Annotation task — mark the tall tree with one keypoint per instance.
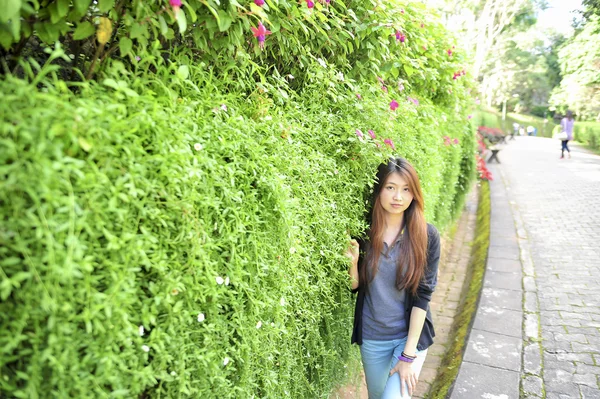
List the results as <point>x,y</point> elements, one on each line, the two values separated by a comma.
<point>579,59</point>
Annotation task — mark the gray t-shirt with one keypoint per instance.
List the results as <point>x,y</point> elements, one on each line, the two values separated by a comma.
<point>383,313</point>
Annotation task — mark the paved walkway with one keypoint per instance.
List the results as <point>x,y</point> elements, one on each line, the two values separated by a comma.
<point>537,328</point>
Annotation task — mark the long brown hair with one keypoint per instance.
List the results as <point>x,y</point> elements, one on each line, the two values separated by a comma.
<point>413,247</point>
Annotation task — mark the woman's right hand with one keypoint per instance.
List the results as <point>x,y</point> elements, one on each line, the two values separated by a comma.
<point>353,251</point>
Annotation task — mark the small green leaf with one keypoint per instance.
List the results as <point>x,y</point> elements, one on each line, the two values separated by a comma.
<point>105,5</point>
<point>181,21</point>
<point>163,25</point>
<point>183,72</point>
<point>409,70</point>
<point>10,9</point>
<point>224,21</point>
<point>125,45</point>
<point>84,30</point>
<point>62,7</point>
<point>84,144</point>
<point>82,6</point>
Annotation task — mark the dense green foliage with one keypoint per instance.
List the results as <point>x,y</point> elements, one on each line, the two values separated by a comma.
<point>588,133</point>
<point>176,228</point>
<point>579,60</point>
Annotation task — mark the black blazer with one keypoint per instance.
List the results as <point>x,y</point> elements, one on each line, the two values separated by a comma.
<point>420,300</point>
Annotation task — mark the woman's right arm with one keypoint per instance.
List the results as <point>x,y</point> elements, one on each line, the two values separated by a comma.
<point>353,253</point>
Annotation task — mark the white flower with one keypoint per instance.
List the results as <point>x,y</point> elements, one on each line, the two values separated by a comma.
<point>322,253</point>
<point>141,329</point>
<point>226,280</point>
<point>173,373</point>
<point>145,348</point>
<point>282,301</point>
<point>197,146</point>
<point>321,62</point>
<point>224,107</point>
<point>200,317</point>
<point>272,324</point>
<point>219,280</point>
<point>259,324</point>
<point>292,250</point>
<point>225,361</point>
<point>340,76</point>
<point>290,77</point>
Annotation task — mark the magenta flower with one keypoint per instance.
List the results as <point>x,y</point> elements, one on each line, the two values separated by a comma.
<point>422,25</point>
<point>394,105</point>
<point>359,133</point>
<point>455,141</point>
<point>260,33</point>
<point>400,36</point>
<point>470,117</point>
<point>259,3</point>
<point>446,140</point>
<point>402,11</point>
<point>372,134</point>
<point>358,96</point>
<point>310,4</point>
<point>175,3</point>
<point>449,53</point>
<point>390,143</point>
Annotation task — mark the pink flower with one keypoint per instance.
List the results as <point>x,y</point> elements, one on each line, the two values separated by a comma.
<point>446,140</point>
<point>372,134</point>
<point>449,53</point>
<point>390,143</point>
<point>400,86</point>
<point>176,4</point>
<point>413,100</point>
<point>394,105</point>
<point>384,89</point>
<point>470,116</point>
<point>359,133</point>
<point>400,36</point>
<point>455,141</point>
<point>310,4</point>
<point>260,33</point>
<point>402,11</point>
<point>422,25</point>
<point>259,3</point>
<point>381,80</point>
<point>358,96</point>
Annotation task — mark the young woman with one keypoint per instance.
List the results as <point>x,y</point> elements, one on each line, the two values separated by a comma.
<point>566,125</point>
<point>394,271</point>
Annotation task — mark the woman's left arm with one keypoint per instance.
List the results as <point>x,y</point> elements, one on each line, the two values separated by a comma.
<point>419,312</point>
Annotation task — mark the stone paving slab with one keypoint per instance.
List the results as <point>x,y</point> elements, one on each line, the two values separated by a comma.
<point>479,381</point>
<point>505,299</point>
<point>498,320</point>
<point>496,264</point>
<point>505,280</point>
<point>494,350</point>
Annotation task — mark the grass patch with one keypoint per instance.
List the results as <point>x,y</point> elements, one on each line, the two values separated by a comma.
<point>463,321</point>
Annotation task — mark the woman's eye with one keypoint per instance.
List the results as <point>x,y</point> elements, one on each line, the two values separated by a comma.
<point>406,189</point>
<point>390,187</point>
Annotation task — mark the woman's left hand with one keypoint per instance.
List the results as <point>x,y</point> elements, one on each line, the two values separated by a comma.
<point>407,376</point>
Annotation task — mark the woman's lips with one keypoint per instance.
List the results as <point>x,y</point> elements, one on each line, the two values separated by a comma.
<point>396,205</point>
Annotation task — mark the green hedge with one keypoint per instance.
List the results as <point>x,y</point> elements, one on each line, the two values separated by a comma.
<point>170,231</point>
<point>588,133</point>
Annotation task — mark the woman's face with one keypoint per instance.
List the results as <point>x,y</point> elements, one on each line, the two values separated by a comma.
<point>395,196</point>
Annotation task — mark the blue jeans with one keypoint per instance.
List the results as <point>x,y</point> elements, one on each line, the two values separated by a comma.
<point>378,358</point>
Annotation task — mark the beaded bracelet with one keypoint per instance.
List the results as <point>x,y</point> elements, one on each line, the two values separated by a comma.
<point>402,358</point>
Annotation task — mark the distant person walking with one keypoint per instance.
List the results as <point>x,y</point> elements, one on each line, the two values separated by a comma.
<point>566,125</point>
